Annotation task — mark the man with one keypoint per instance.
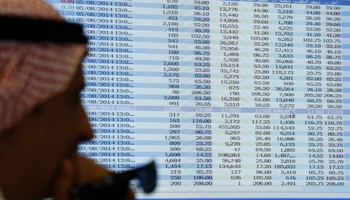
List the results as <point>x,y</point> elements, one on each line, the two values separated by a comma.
<point>41,118</point>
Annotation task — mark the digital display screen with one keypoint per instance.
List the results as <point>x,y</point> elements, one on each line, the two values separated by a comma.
<point>232,99</point>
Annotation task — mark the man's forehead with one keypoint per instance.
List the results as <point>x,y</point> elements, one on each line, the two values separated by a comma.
<point>77,82</point>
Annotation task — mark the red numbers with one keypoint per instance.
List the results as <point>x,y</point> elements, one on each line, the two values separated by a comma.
<point>67,1</point>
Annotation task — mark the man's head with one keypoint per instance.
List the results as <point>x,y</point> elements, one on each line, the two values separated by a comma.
<point>41,118</point>
<point>32,151</point>
<point>32,72</point>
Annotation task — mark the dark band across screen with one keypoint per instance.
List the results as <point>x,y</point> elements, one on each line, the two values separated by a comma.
<point>38,30</point>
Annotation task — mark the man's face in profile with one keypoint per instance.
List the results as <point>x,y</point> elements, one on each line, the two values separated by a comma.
<point>34,149</point>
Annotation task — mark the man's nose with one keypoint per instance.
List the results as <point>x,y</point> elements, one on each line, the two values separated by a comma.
<point>85,131</point>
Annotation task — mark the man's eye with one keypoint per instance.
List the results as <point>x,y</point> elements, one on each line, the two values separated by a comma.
<point>76,99</point>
